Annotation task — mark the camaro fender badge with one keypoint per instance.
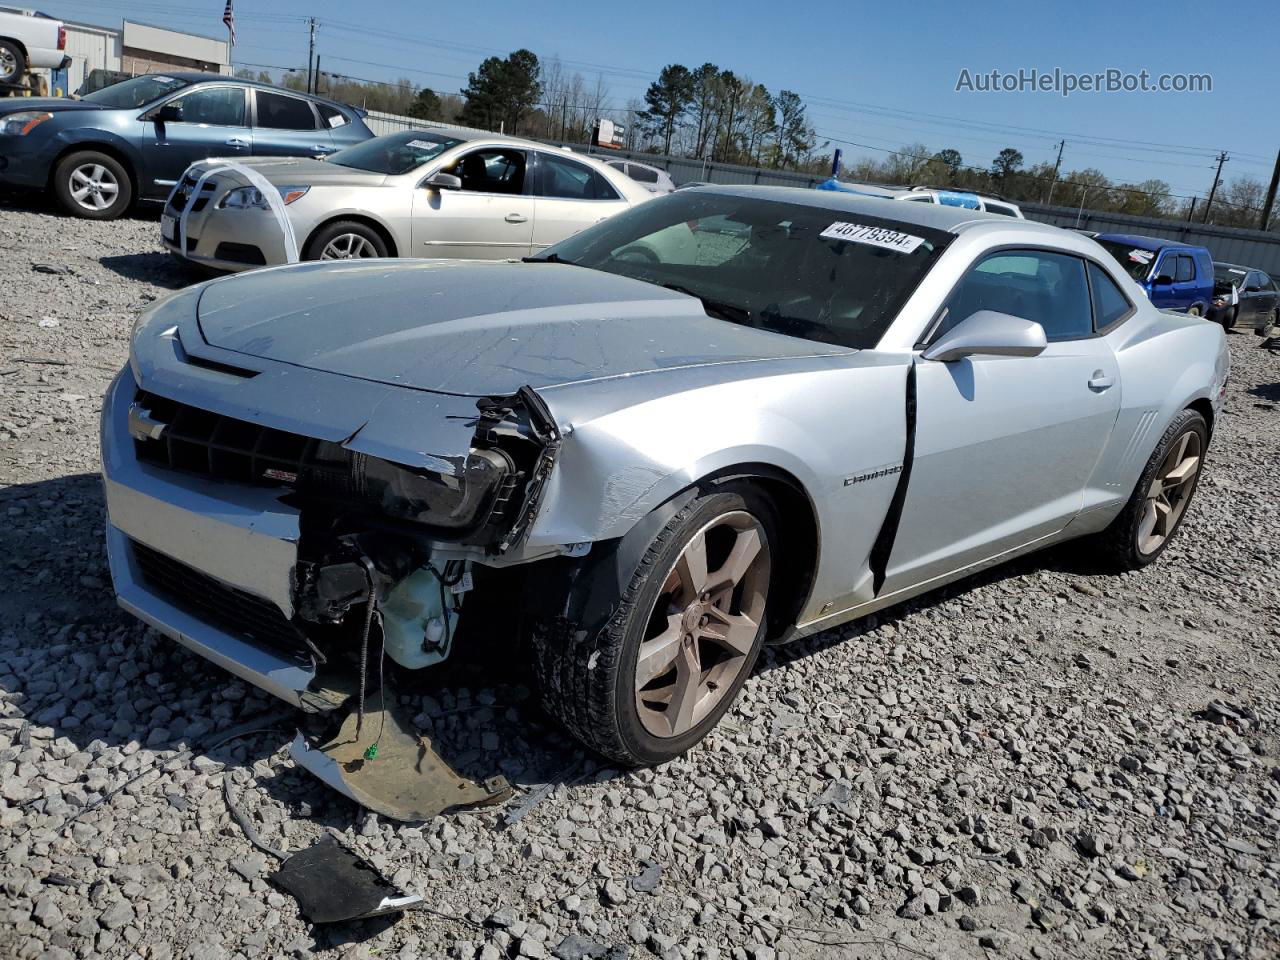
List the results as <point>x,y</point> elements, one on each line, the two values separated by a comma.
<point>873,474</point>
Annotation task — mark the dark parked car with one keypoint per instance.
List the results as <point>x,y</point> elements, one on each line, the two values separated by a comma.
<point>1176,276</point>
<point>1244,295</point>
<point>132,140</point>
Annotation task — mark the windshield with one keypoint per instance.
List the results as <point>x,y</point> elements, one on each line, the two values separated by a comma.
<point>805,271</point>
<point>137,92</point>
<point>395,153</point>
<point>1136,261</point>
<point>1225,273</point>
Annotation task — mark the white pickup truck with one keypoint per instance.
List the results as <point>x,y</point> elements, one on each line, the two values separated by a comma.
<point>29,40</point>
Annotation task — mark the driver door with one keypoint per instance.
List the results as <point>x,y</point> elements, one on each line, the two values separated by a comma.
<point>490,218</point>
<point>214,123</point>
<point>1006,446</point>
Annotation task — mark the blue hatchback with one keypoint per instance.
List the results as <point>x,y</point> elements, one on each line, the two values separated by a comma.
<point>1176,276</point>
<point>132,140</point>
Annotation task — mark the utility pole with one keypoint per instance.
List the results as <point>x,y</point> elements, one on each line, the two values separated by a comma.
<point>1271,195</point>
<point>1191,211</point>
<point>311,55</point>
<point>317,84</point>
<point>1217,179</point>
<point>1056,165</point>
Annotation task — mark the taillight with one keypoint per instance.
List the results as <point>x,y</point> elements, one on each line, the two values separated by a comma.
<point>62,38</point>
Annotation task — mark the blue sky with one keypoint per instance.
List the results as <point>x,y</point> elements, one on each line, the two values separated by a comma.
<point>886,73</point>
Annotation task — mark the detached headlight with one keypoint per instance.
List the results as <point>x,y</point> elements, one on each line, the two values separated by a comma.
<point>437,499</point>
<point>20,124</point>
<point>245,198</point>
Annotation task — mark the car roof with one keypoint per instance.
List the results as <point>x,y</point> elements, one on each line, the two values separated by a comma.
<point>935,215</point>
<point>196,76</point>
<point>1145,242</point>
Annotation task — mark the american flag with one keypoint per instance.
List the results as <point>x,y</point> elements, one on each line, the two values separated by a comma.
<point>229,18</point>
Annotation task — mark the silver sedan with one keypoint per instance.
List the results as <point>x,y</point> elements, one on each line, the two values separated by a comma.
<point>729,416</point>
<point>452,194</point>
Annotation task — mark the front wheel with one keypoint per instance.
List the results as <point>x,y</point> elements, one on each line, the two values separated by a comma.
<point>92,185</point>
<point>1194,310</point>
<point>683,639</point>
<point>346,240</point>
<point>1159,502</point>
<point>1229,319</point>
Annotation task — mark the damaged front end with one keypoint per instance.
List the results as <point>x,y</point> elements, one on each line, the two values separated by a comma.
<point>299,561</point>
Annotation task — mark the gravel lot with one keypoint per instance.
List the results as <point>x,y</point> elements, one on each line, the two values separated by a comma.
<point>1046,761</point>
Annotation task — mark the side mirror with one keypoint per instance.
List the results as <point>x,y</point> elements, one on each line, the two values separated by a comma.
<point>169,113</point>
<point>443,181</point>
<point>1164,280</point>
<point>990,333</point>
<point>1252,289</point>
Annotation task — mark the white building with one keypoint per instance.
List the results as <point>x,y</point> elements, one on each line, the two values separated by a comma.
<point>134,48</point>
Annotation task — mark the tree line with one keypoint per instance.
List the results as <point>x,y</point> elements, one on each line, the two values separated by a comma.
<point>712,113</point>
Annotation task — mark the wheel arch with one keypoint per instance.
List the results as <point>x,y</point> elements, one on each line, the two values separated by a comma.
<point>115,151</point>
<point>373,223</point>
<point>1202,406</point>
<point>799,532</point>
<point>26,55</point>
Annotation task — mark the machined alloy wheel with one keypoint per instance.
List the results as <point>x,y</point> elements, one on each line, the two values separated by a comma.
<point>703,627</point>
<point>94,187</point>
<point>659,631</point>
<point>1169,492</point>
<point>1158,504</point>
<point>348,246</point>
<point>10,64</point>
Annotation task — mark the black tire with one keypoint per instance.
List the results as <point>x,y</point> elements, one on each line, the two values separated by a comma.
<point>587,680</point>
<point>12,62</point>
<point>340,228</point>
<point>67,180</point>
<point>1195,310</point>
<point>1229,318</point>
<point>1119,543</point>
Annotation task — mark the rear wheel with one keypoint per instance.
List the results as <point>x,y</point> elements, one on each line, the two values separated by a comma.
<point>1159,502</point>
<point>92,185</point>
<point>346,240</point>
<point>683,639</point>
<point>12,63</point>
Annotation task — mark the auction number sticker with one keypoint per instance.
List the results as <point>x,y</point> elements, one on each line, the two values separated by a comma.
<point>874,236</point>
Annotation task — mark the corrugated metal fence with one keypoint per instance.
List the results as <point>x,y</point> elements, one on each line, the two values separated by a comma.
<point>1253,248</point>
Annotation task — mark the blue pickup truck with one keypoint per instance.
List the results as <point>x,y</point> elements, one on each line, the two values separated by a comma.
<point>1176,276</point>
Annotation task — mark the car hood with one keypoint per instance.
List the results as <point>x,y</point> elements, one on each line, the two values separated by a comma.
<point>306,171</point>
<point>474,329</point>
<point>49,104</point>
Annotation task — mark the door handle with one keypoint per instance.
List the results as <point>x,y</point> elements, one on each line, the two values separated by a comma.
<point>237,142</point>
<point>319,148</point>
<point>1100,381</point>
<point>516,218</point>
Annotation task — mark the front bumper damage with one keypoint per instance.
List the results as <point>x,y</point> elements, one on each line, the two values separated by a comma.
<point>291,572</point>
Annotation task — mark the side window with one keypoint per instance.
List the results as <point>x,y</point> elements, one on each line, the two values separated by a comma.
<point>217,106</point>
<point>1110,305</point>
<point>1168,267</point>
<point>279,112</point>
<point>1186,270</point>
<point>993,207</point>
<point>331,117</point>
<point>493,170</point>
<point>642,174</point>
<point>565,179</point>
<point>1268,283</point>
<point>1048,288</point>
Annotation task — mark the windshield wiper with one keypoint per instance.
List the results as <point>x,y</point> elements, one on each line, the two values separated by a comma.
<point>549,258</point>
<point>717,308</point>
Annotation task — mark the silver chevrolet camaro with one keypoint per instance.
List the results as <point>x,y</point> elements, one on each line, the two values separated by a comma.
<point>728,416</point>
<point>420,193</point>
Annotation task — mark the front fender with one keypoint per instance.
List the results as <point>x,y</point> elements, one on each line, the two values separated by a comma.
<point>88,138</point>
